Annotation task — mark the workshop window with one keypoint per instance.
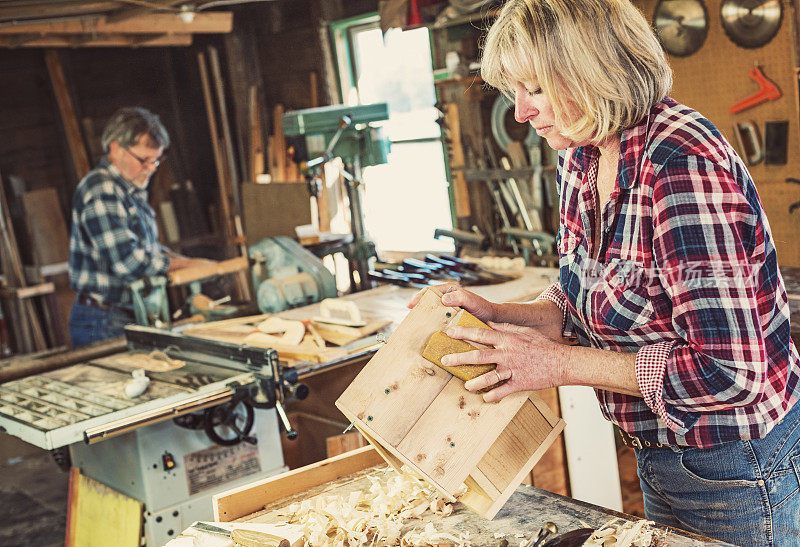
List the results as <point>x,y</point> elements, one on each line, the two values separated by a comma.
<point>406,199</point>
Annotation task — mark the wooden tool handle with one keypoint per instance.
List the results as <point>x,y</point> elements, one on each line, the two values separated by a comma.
<point>189,275</point>
<point>252,538</point>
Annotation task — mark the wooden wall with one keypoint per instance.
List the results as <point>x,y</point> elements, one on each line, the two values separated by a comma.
<point>279,40</point>
<point>275,45</point>
<point>716,77</point>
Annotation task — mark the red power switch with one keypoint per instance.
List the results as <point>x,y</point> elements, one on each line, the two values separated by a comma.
<point>168,461</point>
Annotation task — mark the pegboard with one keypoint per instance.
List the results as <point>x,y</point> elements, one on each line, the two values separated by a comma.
<point>716,77</point>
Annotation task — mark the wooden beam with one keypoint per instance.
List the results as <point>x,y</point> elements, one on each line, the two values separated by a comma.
<point>28,292</point>
<point>41,10</point>
<point>153,23</point>
<point>126,13</point>
<point>80,158</point>
<point>16,40</point>
<point>224,197</point>
<point>111,40</point>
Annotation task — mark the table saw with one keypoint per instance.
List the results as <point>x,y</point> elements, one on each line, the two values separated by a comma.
<point>208,425</point>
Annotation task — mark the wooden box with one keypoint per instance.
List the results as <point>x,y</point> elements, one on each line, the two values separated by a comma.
<point>419,415</point>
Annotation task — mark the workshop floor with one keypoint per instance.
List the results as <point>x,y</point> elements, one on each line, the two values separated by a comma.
<point>33,501</point>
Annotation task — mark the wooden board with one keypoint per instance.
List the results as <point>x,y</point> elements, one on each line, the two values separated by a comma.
<point>457,162</point>
<point>272,210</point>
<point>340,444</point>
<point>98,515</point>
<point>341,335</point>
<point>422,416</point>
<point>398,384</point>
<point>77,149</point>
<point>46,226</point>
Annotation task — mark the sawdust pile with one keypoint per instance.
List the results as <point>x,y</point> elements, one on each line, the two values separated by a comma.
<point>377,516</point>
<point>624,533</point>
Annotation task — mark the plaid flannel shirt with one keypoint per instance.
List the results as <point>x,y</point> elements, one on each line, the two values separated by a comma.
<point>686,277</point>
<point>113,238</point>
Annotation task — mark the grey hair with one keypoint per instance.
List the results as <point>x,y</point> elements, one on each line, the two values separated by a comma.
<point>129,123</point>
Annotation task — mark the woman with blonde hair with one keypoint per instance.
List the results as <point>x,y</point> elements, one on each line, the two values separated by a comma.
<point>669,279</point>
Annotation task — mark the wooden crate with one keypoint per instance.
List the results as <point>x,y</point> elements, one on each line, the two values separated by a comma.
<point>419,415</point>
<point>245,502</point>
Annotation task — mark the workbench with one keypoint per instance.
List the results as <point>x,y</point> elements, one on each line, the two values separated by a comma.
<point>526,511</point>
<point>137,450</point>
<point>385,305</point>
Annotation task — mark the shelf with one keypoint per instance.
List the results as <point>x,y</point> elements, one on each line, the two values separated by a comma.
<point>517,173</point>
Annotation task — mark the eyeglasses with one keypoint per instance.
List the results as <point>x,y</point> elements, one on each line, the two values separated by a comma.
<point>144,162</point>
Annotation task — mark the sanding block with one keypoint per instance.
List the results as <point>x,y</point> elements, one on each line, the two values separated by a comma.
<point>439,345</point>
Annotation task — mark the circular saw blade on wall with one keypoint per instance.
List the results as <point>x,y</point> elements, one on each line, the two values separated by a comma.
<point>751,23</point>
<point>681,25</point>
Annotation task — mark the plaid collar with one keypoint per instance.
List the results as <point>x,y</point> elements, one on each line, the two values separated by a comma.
<point>632,148</point>
<point>129,187</point>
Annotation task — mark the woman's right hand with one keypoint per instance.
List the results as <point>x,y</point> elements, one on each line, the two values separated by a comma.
<point>456,296</point>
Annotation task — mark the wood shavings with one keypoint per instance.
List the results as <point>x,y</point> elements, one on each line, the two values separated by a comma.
<point>279,331</point>
<point>375,517</point>
<point>623,533</point>
<point>430,536</point>
<point>155,361</point>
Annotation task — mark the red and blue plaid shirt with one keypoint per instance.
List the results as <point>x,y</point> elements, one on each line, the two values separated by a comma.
<point>686,277</point>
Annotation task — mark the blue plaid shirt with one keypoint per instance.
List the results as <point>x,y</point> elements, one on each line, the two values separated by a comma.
<point>114,237</point>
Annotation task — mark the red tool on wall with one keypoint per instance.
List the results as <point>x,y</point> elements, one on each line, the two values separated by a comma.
<point>767,91</point>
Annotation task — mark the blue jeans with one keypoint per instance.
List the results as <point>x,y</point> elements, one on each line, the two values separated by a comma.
<point>89,324</point>
<point>742,492</point>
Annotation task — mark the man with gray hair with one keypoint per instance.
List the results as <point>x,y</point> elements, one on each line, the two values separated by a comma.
<point>114,235</point>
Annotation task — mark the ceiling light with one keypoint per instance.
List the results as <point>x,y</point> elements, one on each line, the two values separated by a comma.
<point>186,14</point>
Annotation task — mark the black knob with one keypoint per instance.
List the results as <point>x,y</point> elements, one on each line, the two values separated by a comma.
<point>301,391</point>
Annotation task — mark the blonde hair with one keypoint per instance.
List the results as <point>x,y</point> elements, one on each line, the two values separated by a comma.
<point>598,59</point>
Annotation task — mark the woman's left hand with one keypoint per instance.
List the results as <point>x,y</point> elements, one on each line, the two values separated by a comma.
<point>525,358</point>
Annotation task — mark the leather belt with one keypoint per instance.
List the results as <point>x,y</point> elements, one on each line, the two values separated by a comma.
<point>635,442</point>
<point>89,300</point>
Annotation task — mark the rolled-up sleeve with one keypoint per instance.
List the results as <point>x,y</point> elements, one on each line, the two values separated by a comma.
<point>105,220</point>
<point>708,242</point>
<point>555,294</point>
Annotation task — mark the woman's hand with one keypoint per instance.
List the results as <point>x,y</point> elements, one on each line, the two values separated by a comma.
<point>456,296</point>
<point>525,358</point>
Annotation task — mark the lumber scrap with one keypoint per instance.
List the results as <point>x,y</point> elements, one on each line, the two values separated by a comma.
<point>77,149</point>
<point>256,134</point>
<point>457,162</point>
<point>227,138</point>
<point>278,169</point>
<point>26,326</point>
<point>225,217</point>
<point>99,515</point>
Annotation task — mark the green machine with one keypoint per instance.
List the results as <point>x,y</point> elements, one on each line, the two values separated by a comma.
<point>317,135</point>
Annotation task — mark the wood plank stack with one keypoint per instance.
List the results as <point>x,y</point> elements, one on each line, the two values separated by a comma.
<point>419,415</point>
<point>28,333</point>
